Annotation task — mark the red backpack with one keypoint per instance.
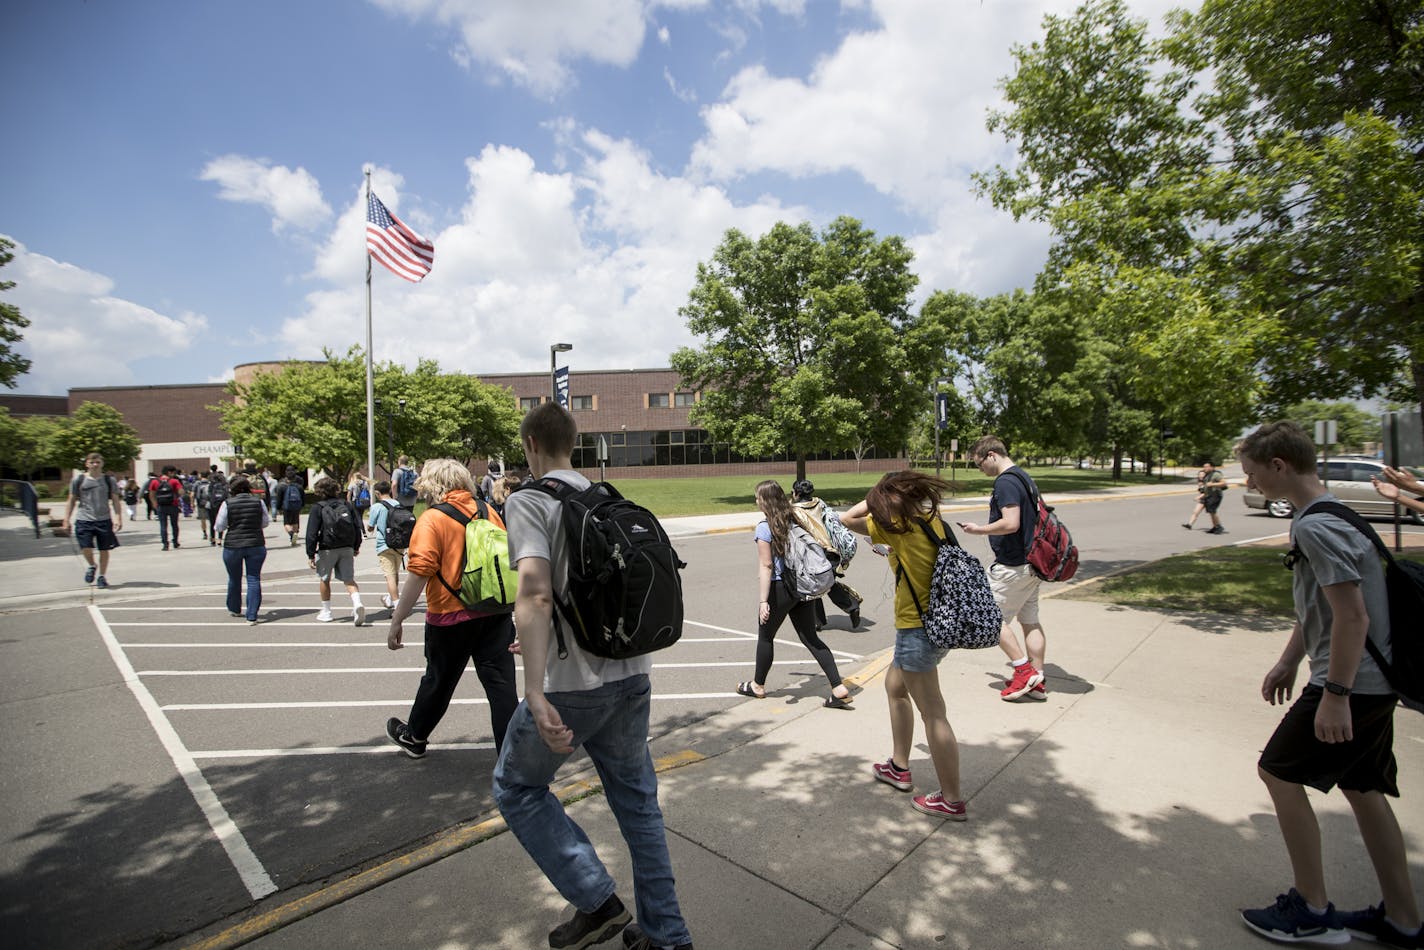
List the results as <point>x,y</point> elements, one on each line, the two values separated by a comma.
<point>1051,554</point>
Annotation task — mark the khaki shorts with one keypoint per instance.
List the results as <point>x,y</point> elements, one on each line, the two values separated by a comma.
<point>1015,590</point>
<point>390,563</point>
<point>338,561</point>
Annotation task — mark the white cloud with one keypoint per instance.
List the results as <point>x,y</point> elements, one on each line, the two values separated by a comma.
<point>80,334</point>
<point>291,196</point>
<point>601,257</point>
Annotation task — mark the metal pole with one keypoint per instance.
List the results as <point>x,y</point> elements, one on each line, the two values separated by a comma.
<point>370,368</point>
<point>553,386</point>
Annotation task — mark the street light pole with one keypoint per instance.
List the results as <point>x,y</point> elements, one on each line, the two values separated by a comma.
<point>553,384</point>
<point>390,414</point>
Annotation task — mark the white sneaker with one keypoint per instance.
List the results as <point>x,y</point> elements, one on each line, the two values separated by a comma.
<point>386,600</point>
<point>359,615</point>
<point>325,616</point>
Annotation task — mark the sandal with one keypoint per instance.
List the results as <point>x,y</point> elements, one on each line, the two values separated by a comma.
<point>747,689</point>
<point>838,702</point>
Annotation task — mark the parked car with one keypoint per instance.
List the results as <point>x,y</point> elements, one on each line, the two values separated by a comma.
<point>1348,478</point>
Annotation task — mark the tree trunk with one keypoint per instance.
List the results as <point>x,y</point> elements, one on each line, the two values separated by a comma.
<point>800,465</point>
<point>1117,463</point>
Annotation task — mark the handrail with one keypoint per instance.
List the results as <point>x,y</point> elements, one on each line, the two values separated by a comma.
<point>25,499</point>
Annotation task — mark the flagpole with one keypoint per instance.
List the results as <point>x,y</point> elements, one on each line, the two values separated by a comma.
<point>370,370</point>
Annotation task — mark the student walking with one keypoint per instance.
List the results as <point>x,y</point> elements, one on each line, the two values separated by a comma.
<point>1211,486</point>
<point>1340,731</point>
<point>333,541</point>
<point>93,494</point>
<point>390,558</point>
<point>810,513</point>
<point>217,493</point>
<point>454,634</point>
<point>571,699</point>
<point>292,498</point>
<point>164,492</point>
<point>1013,516</point>
<point>890,515</point>
<point>240,520</point>
<point>777,601</point>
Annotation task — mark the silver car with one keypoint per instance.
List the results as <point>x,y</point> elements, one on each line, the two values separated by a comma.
<point>1348,478</point>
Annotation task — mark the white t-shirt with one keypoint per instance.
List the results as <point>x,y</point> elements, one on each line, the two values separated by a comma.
<point>535,524</point>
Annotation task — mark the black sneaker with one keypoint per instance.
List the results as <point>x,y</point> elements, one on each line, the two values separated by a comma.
<point>1217,530</point>
<point>635,939</point>
<point>1369,924</point>
<point>102,582</point>
<point>1290,920</point>
<point>89,574</point>
<point>585,930</point>
<point>400,735</point>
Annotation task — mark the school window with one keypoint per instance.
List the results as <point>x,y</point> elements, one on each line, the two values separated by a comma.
<point>684,399</point>
<point>658,401</point>
<point>580,402</point>
<point>528,402</point>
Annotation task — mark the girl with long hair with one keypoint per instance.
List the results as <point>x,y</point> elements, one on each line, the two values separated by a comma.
<point>777,602</point>
<point>891,514</point>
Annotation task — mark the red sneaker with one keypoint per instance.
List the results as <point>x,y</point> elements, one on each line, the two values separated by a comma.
<point>887,773</point>
<point>1039,692</point>
<point>934,804</point>
<point>1025,679</point>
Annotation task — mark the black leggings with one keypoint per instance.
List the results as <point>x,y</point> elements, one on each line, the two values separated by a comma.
<point>803,619</point>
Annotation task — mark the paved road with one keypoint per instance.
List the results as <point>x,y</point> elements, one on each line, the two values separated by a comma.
<point>227,761</point>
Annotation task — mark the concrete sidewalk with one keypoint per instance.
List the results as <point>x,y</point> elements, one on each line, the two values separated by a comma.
<point>1122,812</point>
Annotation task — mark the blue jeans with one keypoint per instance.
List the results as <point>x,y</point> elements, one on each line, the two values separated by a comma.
<point>249,561</point>
<point>611,724</point>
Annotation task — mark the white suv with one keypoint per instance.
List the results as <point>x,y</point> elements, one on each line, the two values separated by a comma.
<point>1348,478</point>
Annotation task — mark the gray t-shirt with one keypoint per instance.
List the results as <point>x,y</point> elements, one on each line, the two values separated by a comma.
<point>94,498</point>
<point>536,529</point>
<point>1336,553</point>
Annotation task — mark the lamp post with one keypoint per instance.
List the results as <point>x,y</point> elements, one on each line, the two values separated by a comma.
<point>553,384</point>
<point>397,410</point>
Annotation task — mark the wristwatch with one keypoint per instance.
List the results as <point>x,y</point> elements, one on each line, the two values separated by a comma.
<point>1333,687</point>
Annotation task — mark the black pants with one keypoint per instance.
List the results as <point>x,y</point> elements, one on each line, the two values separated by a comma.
<point>840,596</point>
<point>803,619</point>
<point>168,514</point>
<point>485,640</point>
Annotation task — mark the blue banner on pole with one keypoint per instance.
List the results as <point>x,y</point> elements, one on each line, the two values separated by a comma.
<point>561,386</point>
<point>941,410</point>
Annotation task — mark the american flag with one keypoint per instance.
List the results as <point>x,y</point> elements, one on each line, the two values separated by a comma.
<point>388,240</point>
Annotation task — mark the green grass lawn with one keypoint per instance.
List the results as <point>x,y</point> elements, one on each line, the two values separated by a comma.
<point>724,494</point>
<point>1245,581</point>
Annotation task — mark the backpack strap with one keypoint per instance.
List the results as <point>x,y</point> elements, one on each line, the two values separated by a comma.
<point>1361,525</point>
<point>450,511</point>
<point>1028,486</point>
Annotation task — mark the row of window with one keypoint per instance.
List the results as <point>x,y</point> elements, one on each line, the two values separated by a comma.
<point>650,401</point>
<point>683,447</point>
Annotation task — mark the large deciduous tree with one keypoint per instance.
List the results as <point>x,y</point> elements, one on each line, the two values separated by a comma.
<point>94,427</point>
<point>1241,205</point>
<point>313,415</point>
<point>809,344</point>
<point>12,321</point>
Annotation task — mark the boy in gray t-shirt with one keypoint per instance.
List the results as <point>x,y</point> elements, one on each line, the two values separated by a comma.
<point>1340,731</point>
<point>93,494</point>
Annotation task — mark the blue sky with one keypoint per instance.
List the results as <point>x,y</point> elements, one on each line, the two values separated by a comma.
<point>185,178</point>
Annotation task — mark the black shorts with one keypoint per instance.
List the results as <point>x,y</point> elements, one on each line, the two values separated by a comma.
<point>291,518</point>
<point>1364,764</point>
<point>1211,500</point>
<point>98,534</point>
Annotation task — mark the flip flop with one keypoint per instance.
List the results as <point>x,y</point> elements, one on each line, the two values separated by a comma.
<point>746,689</point>
<point>836,702</point>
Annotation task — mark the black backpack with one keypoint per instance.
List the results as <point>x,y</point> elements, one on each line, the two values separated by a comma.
<point>338,524</point>
<point>624,593</point>
<point>164,493</point>
<point>1404,583</point>
<point>400,524</point>
<point>217,494</point>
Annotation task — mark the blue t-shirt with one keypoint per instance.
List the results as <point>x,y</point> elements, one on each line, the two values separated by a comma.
<point>377,520</point>
<point>763,533</point>
<point>1011,550</point>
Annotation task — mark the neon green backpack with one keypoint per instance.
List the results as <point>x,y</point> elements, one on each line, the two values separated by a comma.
<point>488,581</point>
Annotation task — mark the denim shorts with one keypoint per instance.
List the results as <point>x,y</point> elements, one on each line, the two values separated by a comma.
<point>914,653</point>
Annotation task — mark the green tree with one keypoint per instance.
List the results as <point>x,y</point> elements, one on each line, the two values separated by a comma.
<point>12,321</point>
<point>809,342</point>
<point>313,415</point>
<point>1279,208</point>
<point>30,446</point>
<point>1355,427</point>
<point>94,427</point>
